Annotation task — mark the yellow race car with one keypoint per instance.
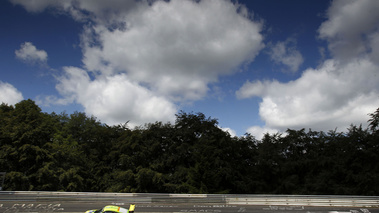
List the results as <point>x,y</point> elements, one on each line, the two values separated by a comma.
<point>113,209</point>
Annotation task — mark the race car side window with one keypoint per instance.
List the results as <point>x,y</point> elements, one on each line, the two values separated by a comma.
<point>110,212</point>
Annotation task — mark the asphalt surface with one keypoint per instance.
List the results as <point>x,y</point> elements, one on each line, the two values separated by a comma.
<point>80,207</point>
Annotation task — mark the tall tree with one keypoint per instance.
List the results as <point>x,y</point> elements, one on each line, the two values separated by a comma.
<point>27,130</point>
<point>374,120</point>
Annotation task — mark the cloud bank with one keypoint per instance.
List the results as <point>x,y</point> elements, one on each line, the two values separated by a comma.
<point>141,59</point>
<point>342,90</point>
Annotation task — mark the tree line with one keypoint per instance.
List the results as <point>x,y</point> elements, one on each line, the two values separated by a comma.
<point>60,152</point>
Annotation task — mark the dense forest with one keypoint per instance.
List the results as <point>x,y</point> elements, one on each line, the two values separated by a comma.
<point>60,152</point>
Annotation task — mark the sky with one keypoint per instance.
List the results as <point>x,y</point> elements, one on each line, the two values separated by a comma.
<point>256,66</point>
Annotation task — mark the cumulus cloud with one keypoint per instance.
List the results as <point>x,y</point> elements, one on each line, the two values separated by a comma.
<point>146,56</point>
<point>286,53</point>
<point>342,90</point>
<point>334,95</point>
<point>29,53</point>
<point>351,28</point>
<point>175,47</point>
<point>9,94</point>
<point>114,99</point>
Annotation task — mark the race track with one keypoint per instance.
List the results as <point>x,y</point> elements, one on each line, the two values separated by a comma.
<point>79,203</point>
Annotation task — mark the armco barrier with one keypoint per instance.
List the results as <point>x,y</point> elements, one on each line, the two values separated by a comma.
<point>227,199</point>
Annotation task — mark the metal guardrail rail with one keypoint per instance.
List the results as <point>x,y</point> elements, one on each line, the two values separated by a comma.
<point>222,199</point>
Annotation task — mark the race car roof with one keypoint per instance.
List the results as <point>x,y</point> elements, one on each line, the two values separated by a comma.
<point>115,209</point>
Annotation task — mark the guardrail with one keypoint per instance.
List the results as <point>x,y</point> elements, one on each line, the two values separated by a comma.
<point>222,199</point>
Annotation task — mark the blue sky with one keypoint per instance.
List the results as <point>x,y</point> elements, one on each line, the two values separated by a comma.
<point>256,66</point>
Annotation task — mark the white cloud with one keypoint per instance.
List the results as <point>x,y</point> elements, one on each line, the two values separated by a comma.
<point>351,27</point>
<point>342,90</point>
<point>229,130</point>
<point>145,60</point>
<point>176,47</point>
<point>334,95</point>
<point>286,53</point>
<point>9,94</point>
<point>251,89</point>
<point>258,132</point>
<point>83,10</point>
<point>114,99</point>
<point>29,53</point>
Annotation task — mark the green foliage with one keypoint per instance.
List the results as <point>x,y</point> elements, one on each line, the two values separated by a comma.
<point>374,120</point>
<point>51,152</point>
